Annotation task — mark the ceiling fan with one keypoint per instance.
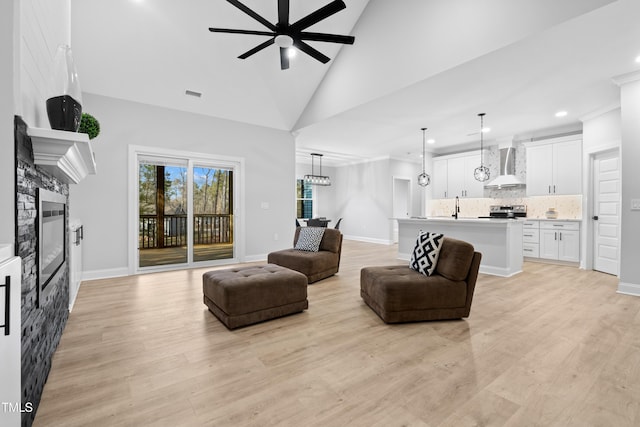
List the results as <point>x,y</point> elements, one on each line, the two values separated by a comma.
<point>286,35</point>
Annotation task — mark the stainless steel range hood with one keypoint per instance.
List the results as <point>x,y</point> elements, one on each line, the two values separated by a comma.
<point>507,178</point>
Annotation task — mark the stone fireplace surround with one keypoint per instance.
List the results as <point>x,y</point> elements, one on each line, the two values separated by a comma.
<point>41,326</point>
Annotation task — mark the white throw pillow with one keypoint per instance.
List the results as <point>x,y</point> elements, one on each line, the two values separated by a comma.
<point>425,255</point>
<point>309,239</point>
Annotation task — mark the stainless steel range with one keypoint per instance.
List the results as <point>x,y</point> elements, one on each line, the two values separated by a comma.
<point>507,211</point>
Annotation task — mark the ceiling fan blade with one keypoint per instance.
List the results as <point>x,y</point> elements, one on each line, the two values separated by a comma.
<point>252,14</point>
<point>257,49</point>
<point>317,16</point>
<point>283,12</point>
<point>311,51</point>
<point>228,30</point>
<point>331,38</point>
<point>284,59</point>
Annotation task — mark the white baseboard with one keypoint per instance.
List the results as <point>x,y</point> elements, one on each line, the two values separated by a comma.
<point>105,274</point>
<point>484,269</point>
<point>255,258</point>
<point>368,240</point>
<point>498,271</point>
<point>72,302</point>
<point>629,289</point>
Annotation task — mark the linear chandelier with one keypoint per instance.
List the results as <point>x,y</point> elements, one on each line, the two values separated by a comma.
<point>314,179</point>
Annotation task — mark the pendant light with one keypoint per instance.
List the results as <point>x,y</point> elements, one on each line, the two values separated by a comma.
<point>423,179</point>
<point>314,179</point>
<point>481,173</point>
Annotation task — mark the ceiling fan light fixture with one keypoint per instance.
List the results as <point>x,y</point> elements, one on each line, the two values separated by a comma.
<point>285,34</point>
<point>283,40</point>
<point>291,52</point>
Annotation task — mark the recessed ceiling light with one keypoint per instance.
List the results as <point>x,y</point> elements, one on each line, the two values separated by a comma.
<point>561,113</point>
<point>431,141</point>
<point>485,130</point>
<point>638,59</point>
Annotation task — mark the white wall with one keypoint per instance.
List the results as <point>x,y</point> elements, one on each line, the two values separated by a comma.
<point>44,25</point>
<point>364,198</point>
<point>8,31</point>
<point>602,132</point>
<point>410,170</point>
<point>630,244</point>
<point>101,200</point>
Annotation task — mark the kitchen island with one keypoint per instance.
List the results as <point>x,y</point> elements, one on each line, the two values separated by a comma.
<point>499,240</point>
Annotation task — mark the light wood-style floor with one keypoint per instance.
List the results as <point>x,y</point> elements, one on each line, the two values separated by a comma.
<point>552,346</point>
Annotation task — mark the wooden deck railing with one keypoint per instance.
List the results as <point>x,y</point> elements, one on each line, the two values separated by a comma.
<point>171,231</point>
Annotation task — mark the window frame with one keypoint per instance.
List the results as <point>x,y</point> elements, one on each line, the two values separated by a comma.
<point>312,199</point>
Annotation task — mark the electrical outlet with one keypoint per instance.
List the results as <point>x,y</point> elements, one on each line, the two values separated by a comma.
<point>275,236</point>
<point>635,204</point>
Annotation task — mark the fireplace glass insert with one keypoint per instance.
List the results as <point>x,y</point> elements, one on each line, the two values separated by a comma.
<point>51,238</point>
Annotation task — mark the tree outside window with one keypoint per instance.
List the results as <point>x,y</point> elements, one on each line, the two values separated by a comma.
<point>304,199</point>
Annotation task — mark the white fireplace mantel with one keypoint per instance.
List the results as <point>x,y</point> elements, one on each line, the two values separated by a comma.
<point>66,155</point>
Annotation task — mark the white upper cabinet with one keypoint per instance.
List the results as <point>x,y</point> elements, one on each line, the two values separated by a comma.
<point>567,167</point>
<point>453,176</point>
<point>554,168</point>
<point>472,187</point>
<point>456,177</point>
<point>439,179</point>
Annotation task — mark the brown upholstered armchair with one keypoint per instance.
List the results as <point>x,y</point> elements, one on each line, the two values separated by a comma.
<point>399,294</point>
<point>315,265</point>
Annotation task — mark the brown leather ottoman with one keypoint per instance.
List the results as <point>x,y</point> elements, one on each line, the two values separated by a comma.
<point>246,295</point>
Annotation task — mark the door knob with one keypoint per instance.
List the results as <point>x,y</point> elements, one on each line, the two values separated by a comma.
<point>595,217</point>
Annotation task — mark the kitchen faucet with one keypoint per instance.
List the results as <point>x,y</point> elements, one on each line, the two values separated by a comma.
<point>456,210</point>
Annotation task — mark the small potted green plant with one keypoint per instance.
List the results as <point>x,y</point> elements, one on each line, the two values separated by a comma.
<point>89,125</point>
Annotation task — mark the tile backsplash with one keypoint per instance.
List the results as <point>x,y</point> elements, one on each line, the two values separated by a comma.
<point>568,207</point>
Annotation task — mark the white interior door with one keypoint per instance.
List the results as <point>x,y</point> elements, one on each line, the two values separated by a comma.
<point>401,202</point>
<point>606,212</point>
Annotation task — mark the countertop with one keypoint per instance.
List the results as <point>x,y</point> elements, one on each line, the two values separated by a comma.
<point>483,220</point>
<point>461,220</point>
<point>549,219</point>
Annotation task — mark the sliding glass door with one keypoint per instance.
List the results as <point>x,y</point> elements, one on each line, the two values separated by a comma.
<point>213,213</point>
<point>185,212</point>
<point>162,237</point>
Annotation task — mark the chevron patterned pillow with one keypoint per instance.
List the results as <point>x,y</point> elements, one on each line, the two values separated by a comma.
<point>425,255</point>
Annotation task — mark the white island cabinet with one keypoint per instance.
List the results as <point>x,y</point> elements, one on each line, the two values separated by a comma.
<point>499,240</point>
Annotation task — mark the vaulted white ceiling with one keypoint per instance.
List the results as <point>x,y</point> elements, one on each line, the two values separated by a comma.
<point>415,63</point>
